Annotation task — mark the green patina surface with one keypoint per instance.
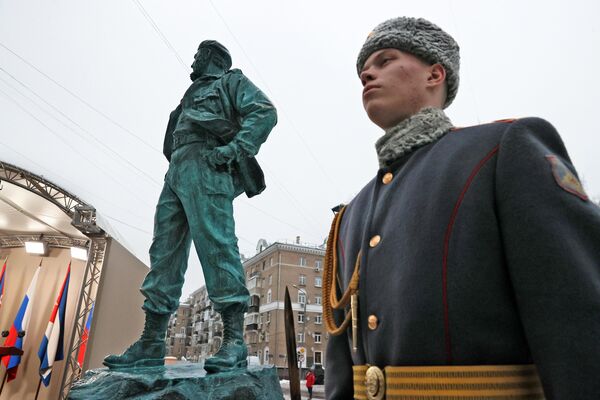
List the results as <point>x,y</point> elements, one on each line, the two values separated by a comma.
<point>178,382</point>
<point>211,140</point>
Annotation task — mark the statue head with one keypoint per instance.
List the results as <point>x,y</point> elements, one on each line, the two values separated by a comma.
<point>212,58</point>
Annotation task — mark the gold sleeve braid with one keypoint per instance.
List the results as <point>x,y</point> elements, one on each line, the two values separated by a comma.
<point>330,299</point>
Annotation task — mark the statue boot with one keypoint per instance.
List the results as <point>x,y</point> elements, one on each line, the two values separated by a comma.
<point>233,351</point>
<point>148,350</point>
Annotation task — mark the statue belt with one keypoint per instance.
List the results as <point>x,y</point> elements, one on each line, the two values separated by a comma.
<point>455,382</point>
<point>182,139</point>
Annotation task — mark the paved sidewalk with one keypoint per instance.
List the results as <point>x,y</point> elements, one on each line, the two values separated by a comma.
<point>318,390</point>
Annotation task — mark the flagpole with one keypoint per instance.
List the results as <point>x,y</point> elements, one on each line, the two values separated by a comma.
<point>37,392</point>
<point>3,381</point>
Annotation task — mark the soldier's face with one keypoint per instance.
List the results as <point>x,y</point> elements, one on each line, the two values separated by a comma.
<point>394,86</point>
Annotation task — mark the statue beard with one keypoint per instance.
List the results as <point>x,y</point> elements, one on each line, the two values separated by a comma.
<point>198,69</point>
<point>195,75</point>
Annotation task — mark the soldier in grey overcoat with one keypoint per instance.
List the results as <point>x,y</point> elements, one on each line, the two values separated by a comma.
<point>476,250</point>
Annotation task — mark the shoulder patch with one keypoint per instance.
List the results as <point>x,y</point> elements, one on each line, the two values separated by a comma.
<point>565,178</point>
<point>506,120</point>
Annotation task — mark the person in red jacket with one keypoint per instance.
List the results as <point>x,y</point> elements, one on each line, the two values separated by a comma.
<point>310,381</point>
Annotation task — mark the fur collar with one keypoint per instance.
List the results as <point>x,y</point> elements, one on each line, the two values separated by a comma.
<point>425,127</point>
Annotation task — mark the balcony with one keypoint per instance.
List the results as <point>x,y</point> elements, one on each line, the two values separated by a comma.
<point>252,327</point>
<point>254,284</point>
<point>251,321</point>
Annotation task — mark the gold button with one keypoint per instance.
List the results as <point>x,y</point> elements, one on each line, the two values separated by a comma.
<point>387,178</point>
<point>372,322</point>
<point>374,240</point>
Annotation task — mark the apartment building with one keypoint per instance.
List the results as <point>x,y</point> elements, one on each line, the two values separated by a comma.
<point>299,267</point>
<point>195,329</point>
<point>275,266</point>
<point>179,331</point>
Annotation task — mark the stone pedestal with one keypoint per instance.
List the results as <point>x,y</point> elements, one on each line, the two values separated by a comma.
<point>178,382</point>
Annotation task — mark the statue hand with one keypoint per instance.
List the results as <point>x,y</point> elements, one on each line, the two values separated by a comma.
<point>221,155</point>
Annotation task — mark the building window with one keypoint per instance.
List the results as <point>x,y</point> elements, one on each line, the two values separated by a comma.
<point>302,262</point>
<point>318,265</point>
<point>271,261</point>
<point>301,297</point>
<point>318,281</point>
<point>270,280</point>
<point>263,265</point>
<point>317,337</point>
<point>300,337</point>
<point>300,317</point>
<point>302,280</point>
<point>318,300</point>
<point>318,357</point>
<point>269,296</point>
<point>267,337</point>
<point>269,317</point>
<point>318,319</point>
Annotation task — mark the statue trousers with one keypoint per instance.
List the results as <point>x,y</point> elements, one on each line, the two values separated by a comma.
<point>194,205</point>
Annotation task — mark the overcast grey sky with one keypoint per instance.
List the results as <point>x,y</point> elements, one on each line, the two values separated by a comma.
<point>86,89</point>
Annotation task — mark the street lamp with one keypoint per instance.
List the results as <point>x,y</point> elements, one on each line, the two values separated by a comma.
<point>304,323</point>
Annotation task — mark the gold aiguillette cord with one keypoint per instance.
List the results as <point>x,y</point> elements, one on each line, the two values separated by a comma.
<point>331,300</point>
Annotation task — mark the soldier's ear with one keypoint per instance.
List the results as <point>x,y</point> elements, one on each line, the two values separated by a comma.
<point>437,75</point>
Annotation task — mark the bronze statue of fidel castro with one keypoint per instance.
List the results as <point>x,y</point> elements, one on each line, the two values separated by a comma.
<point>211,140</point>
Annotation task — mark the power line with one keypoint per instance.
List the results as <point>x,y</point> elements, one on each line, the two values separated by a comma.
<point>274,217</point>
<point>68,181</point>
<point>294,128</point>
<point>150,233</point>
<point>100,143</point>
<point>108,174</point>
<point>159,32</point>
<point>87,104</point>
<point>111,177</point>
<point>127,224</point>
<point>68,144</point>
<point>290,196</point>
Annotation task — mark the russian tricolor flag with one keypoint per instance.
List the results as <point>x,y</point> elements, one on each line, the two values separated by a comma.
<point>19,327</point>
<point>51,348</point>
<point>84,338</point>
<point>2,281</point>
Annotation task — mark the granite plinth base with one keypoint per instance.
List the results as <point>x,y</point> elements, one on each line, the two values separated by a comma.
<point>178,382</point>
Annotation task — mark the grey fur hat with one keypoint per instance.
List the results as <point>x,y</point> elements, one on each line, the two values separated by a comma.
<point>420,38</point>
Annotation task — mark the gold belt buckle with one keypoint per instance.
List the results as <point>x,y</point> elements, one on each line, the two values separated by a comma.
<point>375,383</point>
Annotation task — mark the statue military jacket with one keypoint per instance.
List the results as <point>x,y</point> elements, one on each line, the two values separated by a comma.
<point>232,109</point>
<point>489,253</point>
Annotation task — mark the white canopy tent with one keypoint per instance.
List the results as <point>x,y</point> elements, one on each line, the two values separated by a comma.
<point>33,209</point>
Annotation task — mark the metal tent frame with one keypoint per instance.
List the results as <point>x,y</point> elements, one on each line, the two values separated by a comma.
<point>83,217</point>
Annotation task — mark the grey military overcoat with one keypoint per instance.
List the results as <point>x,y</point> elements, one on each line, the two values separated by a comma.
<point>489,253</point>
